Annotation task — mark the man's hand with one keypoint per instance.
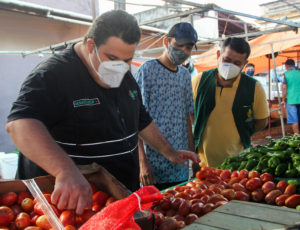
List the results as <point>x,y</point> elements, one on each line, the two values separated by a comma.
<point>72,191</point>
<point>146,173</point>
<point>180,156</point>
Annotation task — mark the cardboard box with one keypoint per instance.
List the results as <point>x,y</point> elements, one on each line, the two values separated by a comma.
<point>102,179</point>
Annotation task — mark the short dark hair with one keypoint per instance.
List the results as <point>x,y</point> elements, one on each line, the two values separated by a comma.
<point>116,23</point>
<point>237,44</point>
<point>290,62</point>
<point>250,65</point>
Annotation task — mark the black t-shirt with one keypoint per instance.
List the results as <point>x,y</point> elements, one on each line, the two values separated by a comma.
<point>91,123</point>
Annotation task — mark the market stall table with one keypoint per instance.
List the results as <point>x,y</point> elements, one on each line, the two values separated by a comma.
<point>237,215</point>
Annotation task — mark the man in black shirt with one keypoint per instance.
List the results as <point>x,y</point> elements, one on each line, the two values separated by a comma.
<point>83,106</point>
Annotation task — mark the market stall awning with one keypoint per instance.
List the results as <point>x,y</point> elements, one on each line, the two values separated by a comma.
<point>287,44</point>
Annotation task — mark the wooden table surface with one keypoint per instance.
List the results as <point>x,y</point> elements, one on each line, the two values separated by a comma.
<point>240,215</point>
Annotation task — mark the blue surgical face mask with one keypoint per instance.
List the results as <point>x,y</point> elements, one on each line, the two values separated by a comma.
<point>177,56</point>
<point>250,72</point>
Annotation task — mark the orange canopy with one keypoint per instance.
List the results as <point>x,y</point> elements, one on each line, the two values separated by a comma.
<point>287,44</point>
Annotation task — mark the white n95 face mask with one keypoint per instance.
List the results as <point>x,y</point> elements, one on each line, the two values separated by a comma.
<point>228,70</point>
<point>110,73</point>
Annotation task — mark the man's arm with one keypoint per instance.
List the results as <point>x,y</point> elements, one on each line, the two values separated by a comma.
<point>153,137</point>
<point>146,172</point>
<point>71,191</point>
<point>260,124</point>
<point>284,89</point>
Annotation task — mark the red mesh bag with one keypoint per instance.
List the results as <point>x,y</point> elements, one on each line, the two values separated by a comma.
<point>119,215</point>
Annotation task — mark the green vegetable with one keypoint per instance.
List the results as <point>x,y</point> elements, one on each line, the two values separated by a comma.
<point>298,207</point>
<point>280,145</point>
<point>280,169</point>
<point>273,162</point>
<point>263,163</point>
<point>268,170</point>
<point>242,165</point>
<point>251,164</point>
<point>293,143</point>
<point>254,156</point>
<point>294,182</point>
<point>291,173</point>
<point>234,166</point>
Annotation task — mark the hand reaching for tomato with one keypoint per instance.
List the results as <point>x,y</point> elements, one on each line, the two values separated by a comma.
<point>72,191</point>
<point>180,157</point>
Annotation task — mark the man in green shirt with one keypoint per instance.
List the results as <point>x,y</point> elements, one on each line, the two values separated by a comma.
<point>291,92</point>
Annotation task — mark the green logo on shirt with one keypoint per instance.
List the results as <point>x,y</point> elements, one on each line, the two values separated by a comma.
<point>133,94</point>
<point>86,102</point>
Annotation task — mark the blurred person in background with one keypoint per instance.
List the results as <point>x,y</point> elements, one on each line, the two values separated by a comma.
<point>291,94</point>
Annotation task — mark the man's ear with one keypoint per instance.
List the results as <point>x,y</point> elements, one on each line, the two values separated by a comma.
<point>90,45</point>
<point>246,62</point>
<point>166,42</point>
<point>218,54</point>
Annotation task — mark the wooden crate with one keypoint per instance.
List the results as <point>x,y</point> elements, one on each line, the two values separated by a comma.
<point>237,215</point>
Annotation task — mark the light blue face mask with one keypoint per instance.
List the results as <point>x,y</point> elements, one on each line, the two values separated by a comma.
<point>250,72</point>
<point>177,56</point>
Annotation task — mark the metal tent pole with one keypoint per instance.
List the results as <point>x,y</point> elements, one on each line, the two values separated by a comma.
<point>269,94</point>
<point>278,93</point>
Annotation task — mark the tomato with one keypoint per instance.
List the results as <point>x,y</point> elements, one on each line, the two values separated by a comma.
<point>159,217</point>
<point>33,219</point>
<point>27,204</point>
<point>207,192</point>
<point>165,204</point>
<point>6,215</point>
<point>180,224</point>
<point>9,198</point>
<point>208,208</point>
<point>253,174</point>
<point>202,174</point>
<point>170,213</point>
<point>32,228</point>
<point>280,200</point>
<point>16,209</point>
<point>112,200</point>
<point>216,198</point>
<point>47,196</point>
<point>219,171</point>
<point>290,189</point>
<point>67,217</point>
<point>235,174</point>
<point>213,179</point>
<point>191,184</point>
<point>169,223</point>
<point>225,174</point>
<point>22,195</point>
<point>228,193</point>
<point>238,187</point>
<point>70,227</point>
<point>257,195</point>
<point>233,180</point>
<point>293,201</point>
<point>253,183</point>
<point>244,181</point>
<point>281,185</point>
<point>240,195</point>
<point>42,222</point>
<point>271,196</point>
<point>243,174</point>
<point>184,208</point>
<point>86,215</point>
<point>268,187</point>
<point>38,209</point>
<point>100,198</point>
<point>197,208</point>
<point>266,177</point>
<point>176,203</point>
<point>190,218</point>
<point>183,195</point>
<point>22,220</point>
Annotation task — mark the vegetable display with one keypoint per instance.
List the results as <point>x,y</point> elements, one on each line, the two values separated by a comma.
<point>280,158</point>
